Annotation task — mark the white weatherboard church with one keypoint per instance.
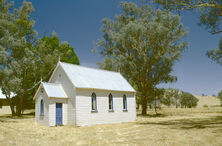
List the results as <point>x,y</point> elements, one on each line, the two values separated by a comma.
<point>77,95</point>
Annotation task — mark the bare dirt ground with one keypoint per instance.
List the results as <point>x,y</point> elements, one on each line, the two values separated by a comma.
<point>173,127</point>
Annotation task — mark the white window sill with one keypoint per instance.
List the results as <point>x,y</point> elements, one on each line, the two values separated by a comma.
<point>94,111</point>
<point>111,110</point>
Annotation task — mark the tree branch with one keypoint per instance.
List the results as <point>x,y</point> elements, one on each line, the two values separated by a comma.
<point>216,32</point>
<point>192,5</point>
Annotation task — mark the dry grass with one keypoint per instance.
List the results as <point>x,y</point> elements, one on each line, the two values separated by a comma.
<point>201,126</point>
<point>207,100</point>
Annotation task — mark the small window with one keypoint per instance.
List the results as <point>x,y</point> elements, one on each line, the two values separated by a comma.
<point>94,104</point>
<point>124,102</point>
<point>110,102</point>
<point>41,108</point>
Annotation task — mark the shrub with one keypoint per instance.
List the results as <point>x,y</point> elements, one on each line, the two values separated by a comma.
<point>188,100</point>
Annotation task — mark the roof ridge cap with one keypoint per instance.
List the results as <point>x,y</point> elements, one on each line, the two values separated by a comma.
<point>52,83</point>
<point>90,67</point>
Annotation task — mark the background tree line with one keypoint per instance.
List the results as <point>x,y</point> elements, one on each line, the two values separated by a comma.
<point>25,59</point>
<point>171,98</point>
<point>174,97</point>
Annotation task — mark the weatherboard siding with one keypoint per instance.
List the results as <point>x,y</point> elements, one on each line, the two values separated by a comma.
<point>52,111</point>
<point>44,120</point>
<point>84,116</point>
<point>77,107</point>
<point>61,77</point>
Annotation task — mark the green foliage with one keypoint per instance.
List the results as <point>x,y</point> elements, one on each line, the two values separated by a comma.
<point>188,100</point>
<point>23,61</point>
<point>108,64</point>
<point>171,97</point>
<point>18,60</point>
<point>168,98</point>
<point>209,11</point>
<point>49,50</point>
<point>144,44</point>
<point>178,98</point>
<point>216,54</point>
<point>158,96</point>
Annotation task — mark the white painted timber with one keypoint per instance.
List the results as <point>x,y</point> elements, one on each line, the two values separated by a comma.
<point>86,117</point>
<point>77,84</point>
<point>61,78</point>
<point>42,119</point>
<point>52,111</point>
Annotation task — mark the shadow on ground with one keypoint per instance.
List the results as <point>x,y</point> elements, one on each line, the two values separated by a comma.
<point>152,115</point>
<point>192,123</point>
<point>9,119</point>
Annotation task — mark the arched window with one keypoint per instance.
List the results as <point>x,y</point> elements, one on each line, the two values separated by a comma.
<point>94,104</point>
<point>124,102</point>
<point>110,102</point>
<point>42,108</point>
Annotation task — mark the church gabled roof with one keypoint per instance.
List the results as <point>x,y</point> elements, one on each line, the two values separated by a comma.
<point>54,90</point>
<point>91,78</point>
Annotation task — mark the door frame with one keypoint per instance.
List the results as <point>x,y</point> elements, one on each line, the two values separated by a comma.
<point>56,114</point>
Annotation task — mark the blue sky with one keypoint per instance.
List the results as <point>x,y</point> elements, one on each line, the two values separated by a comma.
<point>79,21</point>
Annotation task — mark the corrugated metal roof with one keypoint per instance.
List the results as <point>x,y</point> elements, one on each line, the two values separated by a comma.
<point>91,78</point>
<point>54,90</point>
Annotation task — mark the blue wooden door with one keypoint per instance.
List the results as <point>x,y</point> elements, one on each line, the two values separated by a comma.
<point>58,113</point>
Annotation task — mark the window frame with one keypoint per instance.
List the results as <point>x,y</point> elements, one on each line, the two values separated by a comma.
<point>41,107</point>
<point>92,96</point>
<point>125,109</point>
<point>110,109</point>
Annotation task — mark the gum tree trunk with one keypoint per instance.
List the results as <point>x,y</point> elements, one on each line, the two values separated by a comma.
<point>144,105</point>
<point>155,104</point>
<point>11,104</point>
<point>19,106</point>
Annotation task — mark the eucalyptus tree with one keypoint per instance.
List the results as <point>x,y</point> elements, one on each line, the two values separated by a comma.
<point>216,53</point>
<point>210,16</point>
<point>168,98</point>
<point>176,95</point>
<point>144,44</point>
<point>49,49</point>
<point>158,96</point>
<point>188,100</point>
<point>210,11</point>
<point>108,64</point>
<point>24,59</point>
<point>17,59</point>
